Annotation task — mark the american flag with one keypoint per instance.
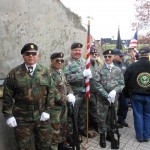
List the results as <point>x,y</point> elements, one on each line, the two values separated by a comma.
<point>133,42</point>
<point>87,80</point>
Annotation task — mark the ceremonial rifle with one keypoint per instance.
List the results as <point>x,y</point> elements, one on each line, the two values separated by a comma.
<point>114,132</point>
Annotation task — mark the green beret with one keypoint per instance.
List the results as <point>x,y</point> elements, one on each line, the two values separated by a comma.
<point>76,45</point>
<point>108,52</point>
<point>57,55</point>
<point>29,46</point>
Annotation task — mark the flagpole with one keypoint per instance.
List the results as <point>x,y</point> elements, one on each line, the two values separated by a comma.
<point>87,80</point>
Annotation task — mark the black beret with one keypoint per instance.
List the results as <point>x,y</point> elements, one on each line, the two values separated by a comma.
<point>29,46</point>
<point>57,55</point>
<point>76,45</point>
<point>108,52</point>
<point>93,50</point>
<point>144,50</point>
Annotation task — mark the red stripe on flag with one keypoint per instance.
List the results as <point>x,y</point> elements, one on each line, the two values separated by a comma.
<point>87,80</point>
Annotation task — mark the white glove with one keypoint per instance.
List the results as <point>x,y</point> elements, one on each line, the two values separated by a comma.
<point>71,98</point>
<point>44,116</point>
<point>111,96</point>
<point>11,122</point>
<point>109,99</point>
<point>87,73</point>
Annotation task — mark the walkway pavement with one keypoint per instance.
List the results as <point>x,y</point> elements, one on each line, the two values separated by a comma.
<point>127,139</point>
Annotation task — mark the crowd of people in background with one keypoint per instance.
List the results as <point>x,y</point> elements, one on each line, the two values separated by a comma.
<point>40,101</point>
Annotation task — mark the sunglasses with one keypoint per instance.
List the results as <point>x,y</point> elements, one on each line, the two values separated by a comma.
<point>107,56</point>
<point>30,53</point>
<point>59,60</point>
<point>121,56</point>
<point>94,54</point>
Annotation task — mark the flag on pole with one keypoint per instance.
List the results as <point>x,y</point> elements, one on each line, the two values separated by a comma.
<point>133,42</point>
<point>87,80</point>
<point>119,42</point>
<point>126,44</point>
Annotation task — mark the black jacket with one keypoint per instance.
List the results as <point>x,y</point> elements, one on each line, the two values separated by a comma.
<point>137,78</point>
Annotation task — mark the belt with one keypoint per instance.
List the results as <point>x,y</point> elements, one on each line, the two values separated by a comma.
<point>78,84</point>
<point>28,107</point>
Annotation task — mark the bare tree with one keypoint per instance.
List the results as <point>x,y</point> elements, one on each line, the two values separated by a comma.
<point>144,40</point>
<point>142,14</point>
<point>142,21</point>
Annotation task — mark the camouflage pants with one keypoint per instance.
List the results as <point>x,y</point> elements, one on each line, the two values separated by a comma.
<point>25,131</point>
<point>93,115</point>
<point>104,114</point>
<point>58,125</point>
<point>80,114</point>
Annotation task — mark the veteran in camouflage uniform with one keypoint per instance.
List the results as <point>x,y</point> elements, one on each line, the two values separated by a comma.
<point>128,59</point>
<point>74,68</point>
<point>59,112</point>
<point>110,77</point>
<point>94,87</point>
<point>28,99</point>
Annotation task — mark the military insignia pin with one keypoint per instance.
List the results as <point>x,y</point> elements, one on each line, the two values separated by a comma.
<point>32,46</point>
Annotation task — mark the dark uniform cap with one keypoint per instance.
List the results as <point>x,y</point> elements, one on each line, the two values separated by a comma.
<point>144,50</point>
<point>76,45</point>
<point>93,50</point>
<point>108,52</point>
<point>29,46</point>
<point>117,52</point>
<point>57,55</point>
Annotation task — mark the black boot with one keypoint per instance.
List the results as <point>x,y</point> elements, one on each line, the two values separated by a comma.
<point>64,146</point>
<point>108,136</point>
<point>102,140</point>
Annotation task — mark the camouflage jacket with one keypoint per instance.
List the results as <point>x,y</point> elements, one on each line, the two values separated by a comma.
<point>111,80</point>
<point>94,85</point>
<point>73,70</point>
<point>25,96</point>
<point>127,60</point>
<point>63,87</point>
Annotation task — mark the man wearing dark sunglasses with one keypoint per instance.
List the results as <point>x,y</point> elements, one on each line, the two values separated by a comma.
<point>94,66</point>
<point>59,112</point>
<point>111,79</point>
<point>75,72</point>
<point>28,98</point>
<point>118,57</point>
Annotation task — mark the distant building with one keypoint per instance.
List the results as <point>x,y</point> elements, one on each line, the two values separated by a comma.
<point>110,41</point>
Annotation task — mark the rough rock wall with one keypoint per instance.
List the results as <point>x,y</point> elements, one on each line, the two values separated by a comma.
<point>47,23</point>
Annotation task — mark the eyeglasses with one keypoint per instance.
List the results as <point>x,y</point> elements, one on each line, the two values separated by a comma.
<point>30,53</point>
<point>59,60</point>
<point>107,56</point>
<point>121,56</point>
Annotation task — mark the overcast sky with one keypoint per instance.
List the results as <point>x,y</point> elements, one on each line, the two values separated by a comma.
<point>107,16</point>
